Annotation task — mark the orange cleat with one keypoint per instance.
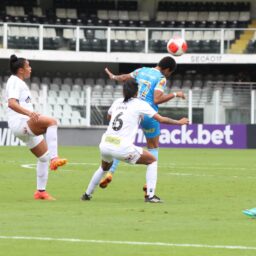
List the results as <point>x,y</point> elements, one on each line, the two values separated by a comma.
<point>56,162</point>
<point>105,181</point>
<point>38,195</point>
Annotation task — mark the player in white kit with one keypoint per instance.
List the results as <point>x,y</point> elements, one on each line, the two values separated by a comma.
<point>30,126</point>
<point>118,141</point>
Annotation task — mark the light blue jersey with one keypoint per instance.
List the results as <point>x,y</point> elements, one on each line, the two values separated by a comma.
<point>149,80</point>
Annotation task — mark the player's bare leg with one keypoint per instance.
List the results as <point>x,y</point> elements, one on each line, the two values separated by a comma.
<point>48,126</point>
<point>95,180</point>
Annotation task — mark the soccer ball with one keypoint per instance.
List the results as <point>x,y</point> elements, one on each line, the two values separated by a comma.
<point>177,46</point>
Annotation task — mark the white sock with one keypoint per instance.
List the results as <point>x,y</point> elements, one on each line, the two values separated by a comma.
<point>95,180</point>
<point>42,171</point>
<point>52,140</point>
<point>151,178</point>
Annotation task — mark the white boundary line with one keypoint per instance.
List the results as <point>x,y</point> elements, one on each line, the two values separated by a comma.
<point>202,167</point>
<point>33,166</point>
<point>76,240</point>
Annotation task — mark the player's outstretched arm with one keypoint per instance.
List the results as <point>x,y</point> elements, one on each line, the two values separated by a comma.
<point>119,78</point>
<point>167,120</point>
<point>160,97</point>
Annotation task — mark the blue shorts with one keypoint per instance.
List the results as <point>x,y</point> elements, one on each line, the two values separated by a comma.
<point>150,127</point>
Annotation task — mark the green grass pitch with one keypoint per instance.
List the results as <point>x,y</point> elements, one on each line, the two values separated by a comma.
<point>204,193</point>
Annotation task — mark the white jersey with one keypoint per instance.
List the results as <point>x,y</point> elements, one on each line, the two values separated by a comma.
<point>125,120</point>
<point>17,89</point>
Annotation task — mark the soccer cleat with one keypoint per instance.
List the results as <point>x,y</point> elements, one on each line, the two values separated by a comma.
<point>43,195</point>
<point>153,199</point>
<point>86,197</point>
<point>105,181</point>
<point>250,212</point>
<point>57,162</point>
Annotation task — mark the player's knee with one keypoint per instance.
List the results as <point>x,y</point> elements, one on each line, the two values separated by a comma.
<point>45,157</point>
<point>151,160</point>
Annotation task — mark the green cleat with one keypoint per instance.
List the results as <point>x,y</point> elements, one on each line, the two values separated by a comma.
<point>250,212</point>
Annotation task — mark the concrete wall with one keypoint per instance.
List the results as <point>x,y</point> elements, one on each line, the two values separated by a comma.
<point>80,136</point>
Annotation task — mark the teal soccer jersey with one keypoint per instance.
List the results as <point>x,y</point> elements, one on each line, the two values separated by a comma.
<point>149,80</point>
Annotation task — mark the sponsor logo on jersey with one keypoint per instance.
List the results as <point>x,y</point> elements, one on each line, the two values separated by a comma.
<point>113,140</point>
<point>25,130</point>
<point>28,100</point>
<point>161,84</point>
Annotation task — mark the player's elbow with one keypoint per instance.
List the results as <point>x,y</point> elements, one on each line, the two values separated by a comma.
<point>158,118</point>
<point>12,103</point>
<point>161,119</point>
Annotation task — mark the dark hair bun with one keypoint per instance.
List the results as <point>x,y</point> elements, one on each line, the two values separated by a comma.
<point>13,58</point>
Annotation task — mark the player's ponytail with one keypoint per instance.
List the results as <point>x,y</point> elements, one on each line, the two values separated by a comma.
<point>130,89</point>
<point>16,63</point>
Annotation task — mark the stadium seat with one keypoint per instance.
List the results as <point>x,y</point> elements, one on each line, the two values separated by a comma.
<point>72,101</point>
<point>85,45</point>
<point>102,14</point>
<point>34,79</point>
<point>123,15</point>
<point>111,82</point>
<point>116,45</point>
<point>78,81</point>
<point>54,87</point>
<point>108,88</point>
<point>52,100</point>
<point>64,94</point>
<point>71,13</point>
<point>75,121</point>
<point>61,101</point>
<point>52,94</point>
<point>34,86</point>
<point>46,80</point>
<point>89,81</point>
<point>61,13</point>
<point>113,15</point>
<point>65,121</point>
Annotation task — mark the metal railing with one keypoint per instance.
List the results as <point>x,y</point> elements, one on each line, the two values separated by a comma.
<point>215,103</point>
<point>106,39</point>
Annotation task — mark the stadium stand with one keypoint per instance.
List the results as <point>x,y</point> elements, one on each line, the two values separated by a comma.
<point>170,14</point>
<point>123,13</point>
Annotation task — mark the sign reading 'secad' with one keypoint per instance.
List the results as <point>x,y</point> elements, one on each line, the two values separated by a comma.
<point>7,138</point>
<point>200,136</point>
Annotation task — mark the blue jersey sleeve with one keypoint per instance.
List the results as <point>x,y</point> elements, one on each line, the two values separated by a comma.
<point>161,84</point>
<point>135,73</point>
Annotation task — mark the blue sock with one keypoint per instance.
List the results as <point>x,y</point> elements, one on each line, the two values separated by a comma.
<point>154,152</point>
<point>114,165</point>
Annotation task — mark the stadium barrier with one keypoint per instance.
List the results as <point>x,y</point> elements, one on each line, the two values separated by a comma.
<point>205,136</point>
<point>238,136</point>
